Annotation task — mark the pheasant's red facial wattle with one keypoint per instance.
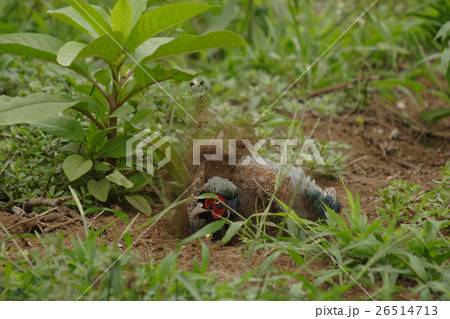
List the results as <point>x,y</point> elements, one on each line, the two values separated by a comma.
<point>216,206</point>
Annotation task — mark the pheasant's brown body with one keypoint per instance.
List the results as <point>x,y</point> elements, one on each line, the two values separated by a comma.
<point>264,182</point>
<point>257,180</point>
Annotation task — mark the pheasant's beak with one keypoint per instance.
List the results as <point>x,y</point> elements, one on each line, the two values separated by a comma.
<point>197,210</point>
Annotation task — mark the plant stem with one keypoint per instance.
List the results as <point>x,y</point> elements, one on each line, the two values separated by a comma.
<point>113,102</point>
<point>91,117</point>
<point>120,103</point>
<point>113,105</point>
<point>97,86</point>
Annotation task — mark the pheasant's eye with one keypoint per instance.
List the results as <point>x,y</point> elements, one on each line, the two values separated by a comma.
<point>217,202</point>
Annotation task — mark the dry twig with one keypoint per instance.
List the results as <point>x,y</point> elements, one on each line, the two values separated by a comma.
<point>34,218</point>
<point>53,202</point>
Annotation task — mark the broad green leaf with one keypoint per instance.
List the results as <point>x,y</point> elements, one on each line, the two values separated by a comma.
<point>63,127</point>
<point>149,47</point>
<point>98,140</point>
<point>91,105</point>
<point>32,108</point>
<point>188,43</point>
<point>99,189</point>
<point>232,230</point>
<point>141,115</point>
<point>95,96</point>
<point>125,91</point>
<point>116,147</point>
<point>137,7</point>
<point>162,18</point>
<point>70,16</point>
<point>102,167</point>
<point>68,52</point>
<point>107,47</point>
<point>117,178</point>
<point>121,17</point>
<point>140,180</point>
<point>103,76</point>
<point>34,45</point>
<point>91,15</point>
<point>123,110</point>
<point>146,76</point>
<point>104,14</point>
<point>76,166</point>
<point>208,229</point>
<point>140,203</point>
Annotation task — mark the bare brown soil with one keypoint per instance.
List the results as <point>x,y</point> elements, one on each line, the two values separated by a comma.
<point>383,148</point>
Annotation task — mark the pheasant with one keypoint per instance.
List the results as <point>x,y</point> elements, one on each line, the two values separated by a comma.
<point>254,179</point>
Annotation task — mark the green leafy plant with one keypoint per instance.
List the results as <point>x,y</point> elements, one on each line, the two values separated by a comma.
<point>31,164</point>
<point>125,41</point>
<point>444,35</point>
<point>435,24</point>
<point>377,255</point>
<point>408,202</point>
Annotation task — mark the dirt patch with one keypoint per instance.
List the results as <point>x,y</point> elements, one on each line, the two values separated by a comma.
<point>382,149</point>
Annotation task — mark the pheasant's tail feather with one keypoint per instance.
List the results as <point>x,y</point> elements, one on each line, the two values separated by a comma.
<point>331,200</point>
<point>314,203</point>
<point>330,191</point>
